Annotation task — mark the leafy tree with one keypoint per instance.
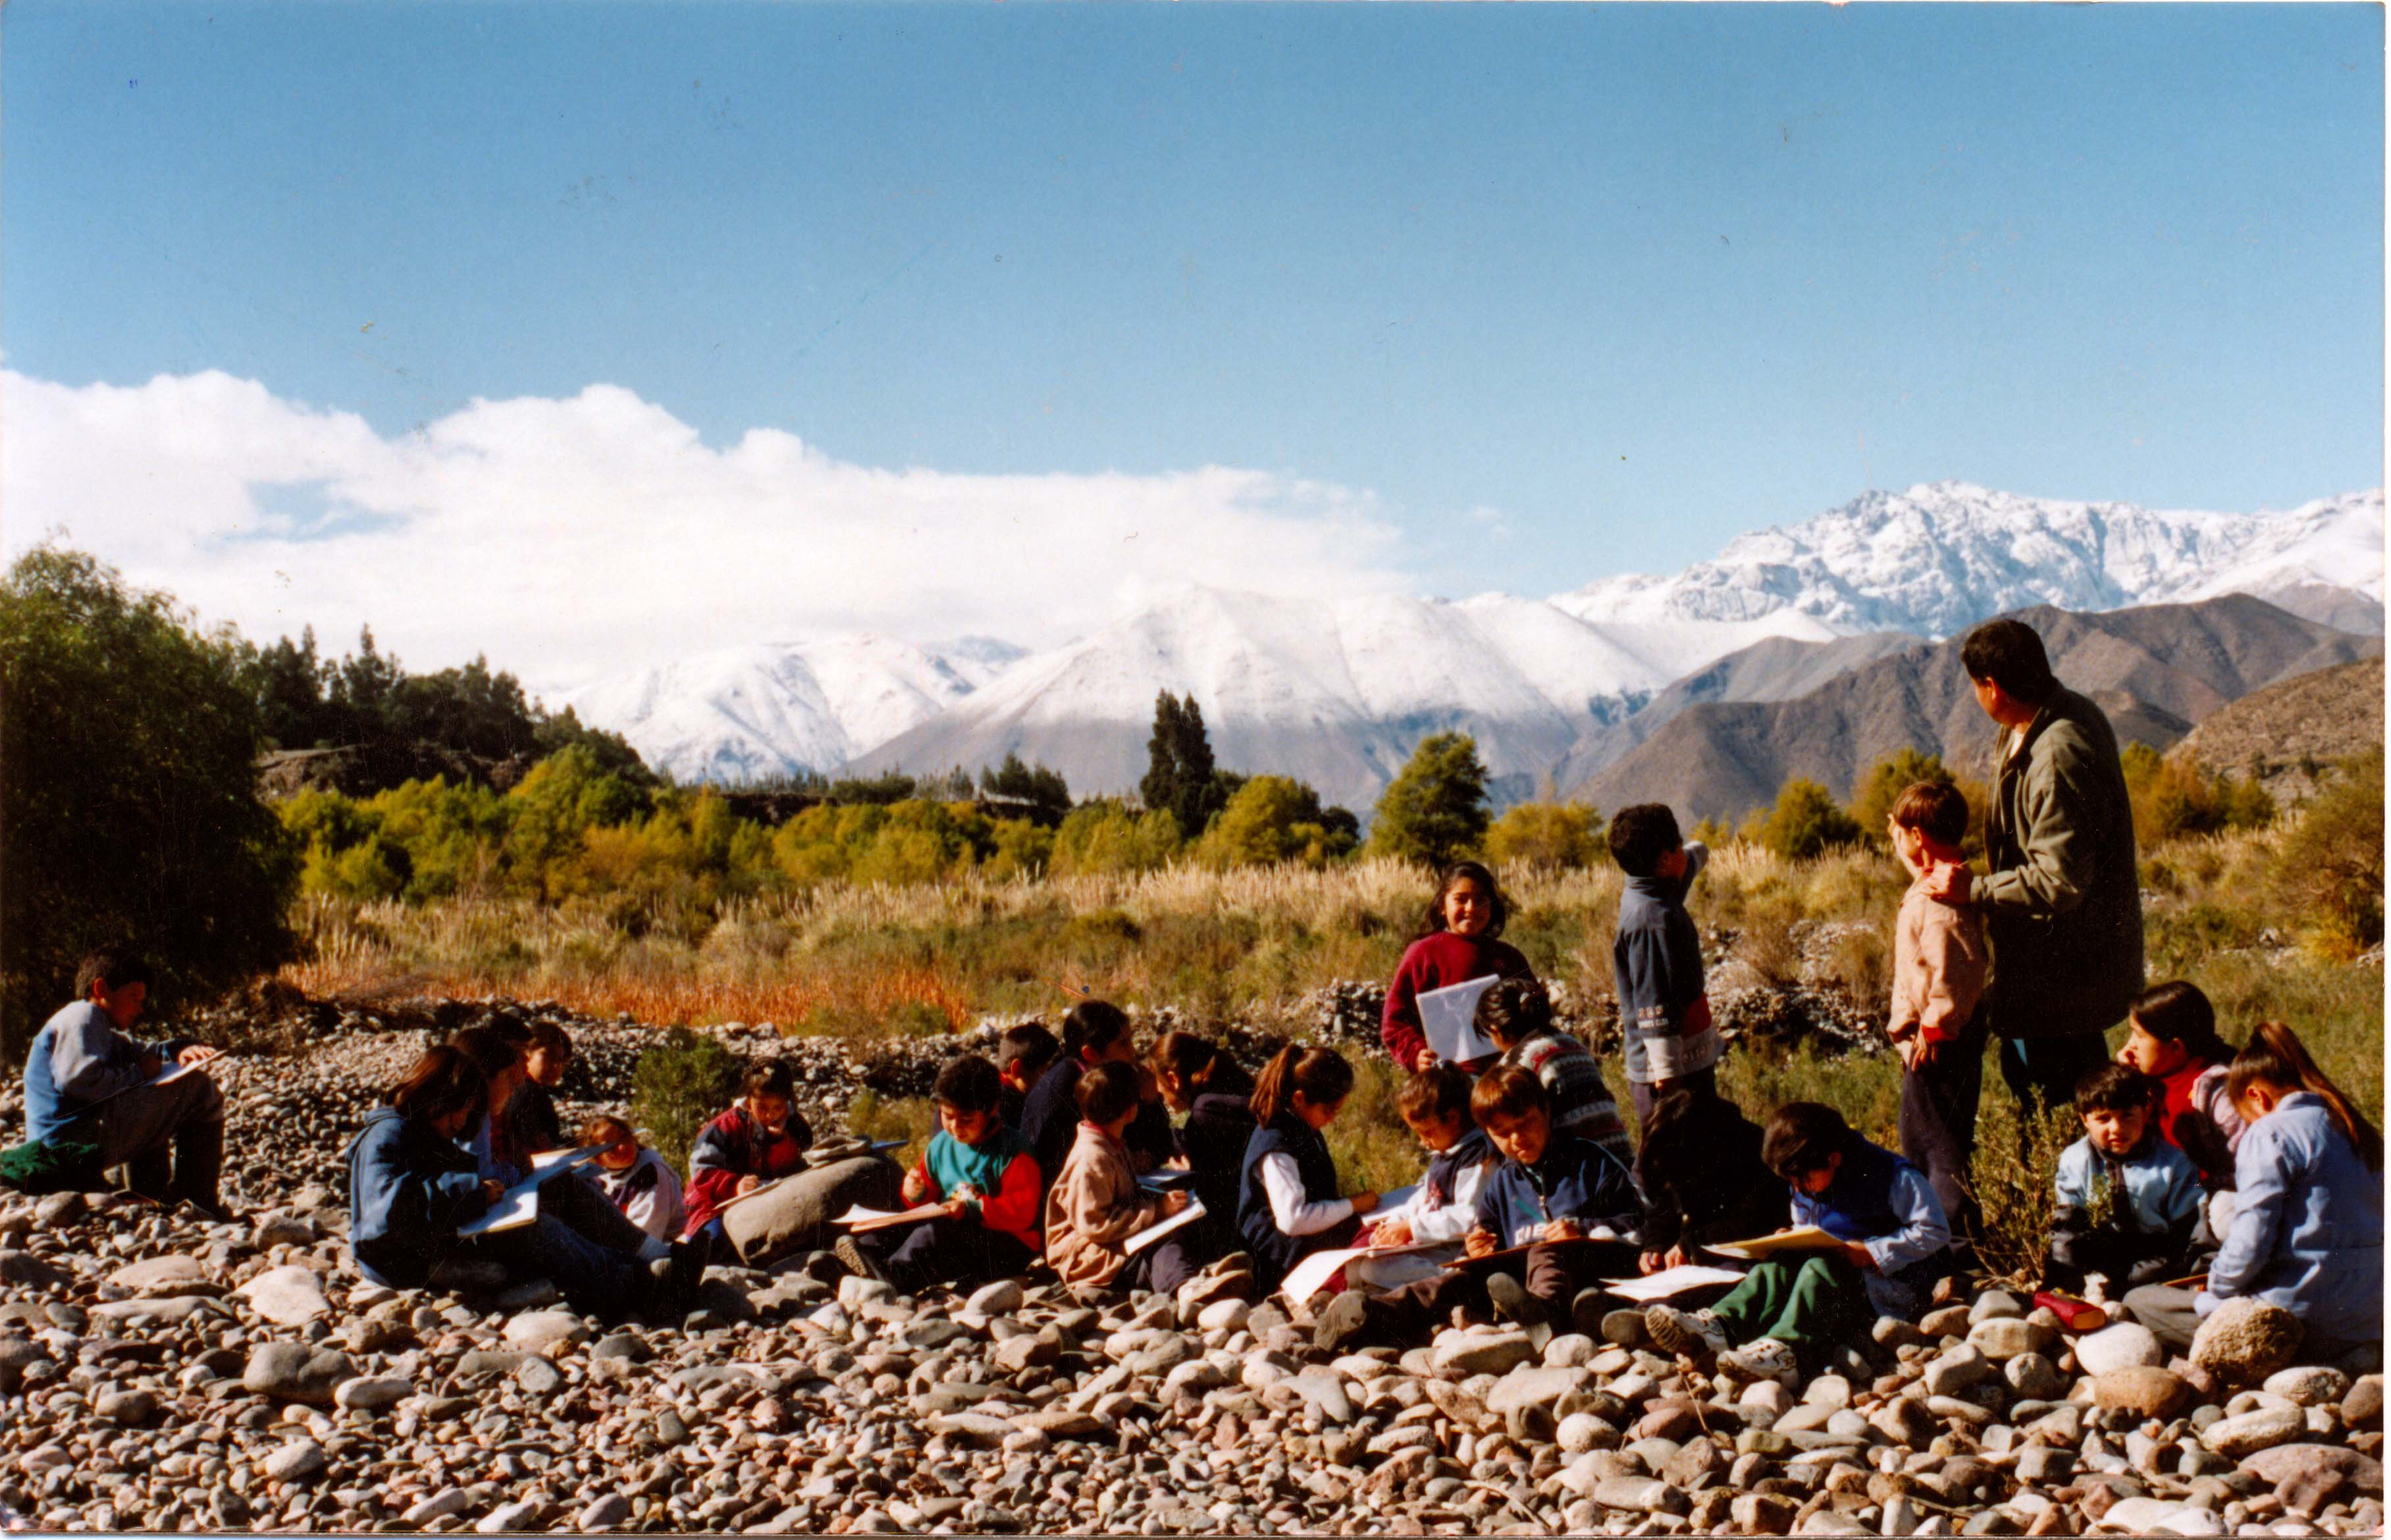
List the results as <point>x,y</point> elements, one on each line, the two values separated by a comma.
<point>128,812</point>
<point>1546,834</point>
<point>1435,810</point>
<point>1181,777</point>
<point>892,786</point>
<point>2173,796</point>
<point>1275,818</point>
<point>678,1083</point>
<point>1102,836</point>
<point>1806,821</point>
<point>2329,873</point>
<point>1045,791</point>
<point>1882,783</point>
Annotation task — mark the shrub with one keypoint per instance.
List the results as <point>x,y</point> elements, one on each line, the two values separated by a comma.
<point>1275,818</point>
<point>2173,797</point>
<point>1567,836</point>
<point>2329,873</point>
<point>128,809</point>
<point>1102,836</point>
<point>1434,810</point>
<point>1806,821</point>
<point>677,1085</point>
<point>2011,1177</point>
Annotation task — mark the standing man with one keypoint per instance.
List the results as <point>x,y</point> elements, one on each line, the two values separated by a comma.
<point>2063,904</point>
<point>86,1082</point>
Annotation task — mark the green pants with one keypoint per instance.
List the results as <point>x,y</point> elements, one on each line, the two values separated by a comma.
<point>1810,1306</point>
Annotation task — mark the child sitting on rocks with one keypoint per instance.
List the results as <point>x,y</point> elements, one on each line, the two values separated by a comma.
<point>985,1176</point>
<point>2171,1036</point>
<point>1552,1194</point>
<point>636,1179</point>
<point>1516,1016</point>
<point>1023,1054</point>
<point>1214,1093</point>
<point>1095,1031</point>
<point>2307,1215</point>
<point>1702,1178</point>
<point>2128,1199</point>
<point>1288,1206</point>
<point>1787,1317</point>
<point>412,1184</point>
<point>1435,1106</point>
<point>761,1137</point>
<point>1095,1204</point>
<point>532,1123</point>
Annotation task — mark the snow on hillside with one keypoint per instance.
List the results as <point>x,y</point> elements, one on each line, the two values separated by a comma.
<point>1939,557</point>
<point>749,712</point>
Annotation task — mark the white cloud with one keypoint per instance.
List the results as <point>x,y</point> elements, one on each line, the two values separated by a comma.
<point>572,538</point>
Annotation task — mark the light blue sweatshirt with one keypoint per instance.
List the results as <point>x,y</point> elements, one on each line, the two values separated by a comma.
<point>2307,1226</point>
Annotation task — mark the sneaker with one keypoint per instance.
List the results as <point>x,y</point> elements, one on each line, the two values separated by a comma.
<point>1694,1334</point>
<point>1513,1303</point>
<point>1761,1358</point>
<point>1347,1315</point>
<point>847,1251</point>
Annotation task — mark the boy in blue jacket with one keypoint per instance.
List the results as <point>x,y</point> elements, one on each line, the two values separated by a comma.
<point>1789,1317</point>
<point>1655,959</point>
<point>2128,1199</point>
<point>1569,1203</point>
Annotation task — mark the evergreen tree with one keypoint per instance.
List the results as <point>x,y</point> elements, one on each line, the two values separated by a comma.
<point>1044,789</point>
<point>1181,778</point>
<point>1435,811</point>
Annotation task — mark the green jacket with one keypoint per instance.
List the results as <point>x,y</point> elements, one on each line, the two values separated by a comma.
<point>2063,904</point>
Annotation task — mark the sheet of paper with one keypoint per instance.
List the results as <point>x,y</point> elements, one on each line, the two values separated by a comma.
<point>1315,1272</point>
<point>1448,1018</point>
<point>1670,1282</point>
<point>1160,1227</point>
<point>516,1207</point>
<point>861,1218</point>
<point>547,1162</point>
<point>1805,1238</point>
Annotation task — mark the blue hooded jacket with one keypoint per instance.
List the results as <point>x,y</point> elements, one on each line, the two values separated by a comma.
<point>2307,1226</point>
<point>408,1190</point>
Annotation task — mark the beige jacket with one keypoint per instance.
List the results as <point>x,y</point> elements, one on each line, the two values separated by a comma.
<point>1938,967</point>
<point>1094,1206</point>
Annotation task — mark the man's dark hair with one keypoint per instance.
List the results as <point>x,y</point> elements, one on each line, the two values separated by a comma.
<point>1514,1010</point>
<point>2114,1088</point>
<point>1435,1094</point>
<point>1508,1091</point>
<point>1028,1045</point>
<point>2010,653</point>
<point>119,965</point>
<point>967,1085</point>
<point>1801,1136</point>
<point>1641,835</point>
<point>492,1051</point>
<point>770,1077</point>
<point>1107,1091</point>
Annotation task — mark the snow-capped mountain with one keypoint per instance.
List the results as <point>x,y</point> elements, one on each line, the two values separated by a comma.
<point>1337,693</point>
<point>748,713</point>
<point>1939,557</point>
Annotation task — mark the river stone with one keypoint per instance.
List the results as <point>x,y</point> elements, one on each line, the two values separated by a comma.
<point>2035,1378</point>
<point>298,1461</point>
<point>488,1363</point>
<point>160,1274</point>
<point>287,1296</point>
<point>370,1395</point>
<point>793,1217</point>
<point>282,1229</point>
<point>29,1271</point>
<point>1061,1422</point>
<point>544,1330</point>
<point>2005,1336</point>
<point>2362,1407</point>
<point>2286,1462</point>
<point>2315,1386</point>
<point>507,1517</point>
<point>2144,1390</point>
<point>1478,1350</point>
<point>295,1371</point>
<point>2237,1437</point>
<point>1528,1386</point>
<point>1581,1431</point>
<point>2127,1344</point>
<point>1639,1494</point>
<point>440,1504</point>
<point>1000,1298</point>
<point>2246,1341</point>
<point>127,1408</point>
<point>604,1513</point>
<point>1954,1371</point>
<point>2141,1515</point>
<point>1995,1304</point>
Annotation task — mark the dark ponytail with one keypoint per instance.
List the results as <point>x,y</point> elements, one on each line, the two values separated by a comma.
<point>1321,1074</point>
<point>2276,1055</point>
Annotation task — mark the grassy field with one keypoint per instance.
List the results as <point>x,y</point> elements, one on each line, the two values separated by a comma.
<point>870,961</point>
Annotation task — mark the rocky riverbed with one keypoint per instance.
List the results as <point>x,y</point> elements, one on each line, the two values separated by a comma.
<point>160,1373</point>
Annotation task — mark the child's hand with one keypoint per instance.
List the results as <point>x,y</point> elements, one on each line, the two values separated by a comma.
<point>1394,1232</point>
<point>1478,1243</point>
<point>1564,1230</point>
<point>1423,1061</point>
<point>1861,1257</point>
<point>491,1192</point>
<point>1177,1163</point>
<point>1172,1203</point>
<point>1919,1051</point>
<point>748,1184</point>
<point>1650,1263</point>
<point>198,1054</point>
<point>916,1191</point>
<point>957,1206</point>
<point>1677,1257</point>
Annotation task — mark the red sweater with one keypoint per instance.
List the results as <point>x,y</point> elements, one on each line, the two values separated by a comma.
<point>1437,961</point>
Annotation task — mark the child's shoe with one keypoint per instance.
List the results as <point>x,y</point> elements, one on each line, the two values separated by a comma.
<point>1513,1303</point>
<point>1588,1313</point>
<point>847,1251</point>
<point>1694,1334</point>
<point>1761,1358</point>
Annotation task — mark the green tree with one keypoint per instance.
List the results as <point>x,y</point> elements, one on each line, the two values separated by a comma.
<point>1181,778</point>
<point>2328,877</point>
<point>1548,834</point>
<point>1435,810</point>
<point>129,811</point>
<point>1047,793</point>
<point>1273,818</point>
<point>1806,821</point>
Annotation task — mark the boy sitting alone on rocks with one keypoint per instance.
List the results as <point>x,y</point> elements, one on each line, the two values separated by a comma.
<point>985,1178</point>
<point>87,1087</point>
<point>2128,1199</point>
<point>1551,1191</point>
<point>1784,1321</point>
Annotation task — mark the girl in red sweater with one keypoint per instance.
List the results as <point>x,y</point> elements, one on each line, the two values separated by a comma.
<point>1458,942</point>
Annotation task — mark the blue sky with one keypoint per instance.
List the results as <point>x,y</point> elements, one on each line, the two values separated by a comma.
<point>1555,292</point>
